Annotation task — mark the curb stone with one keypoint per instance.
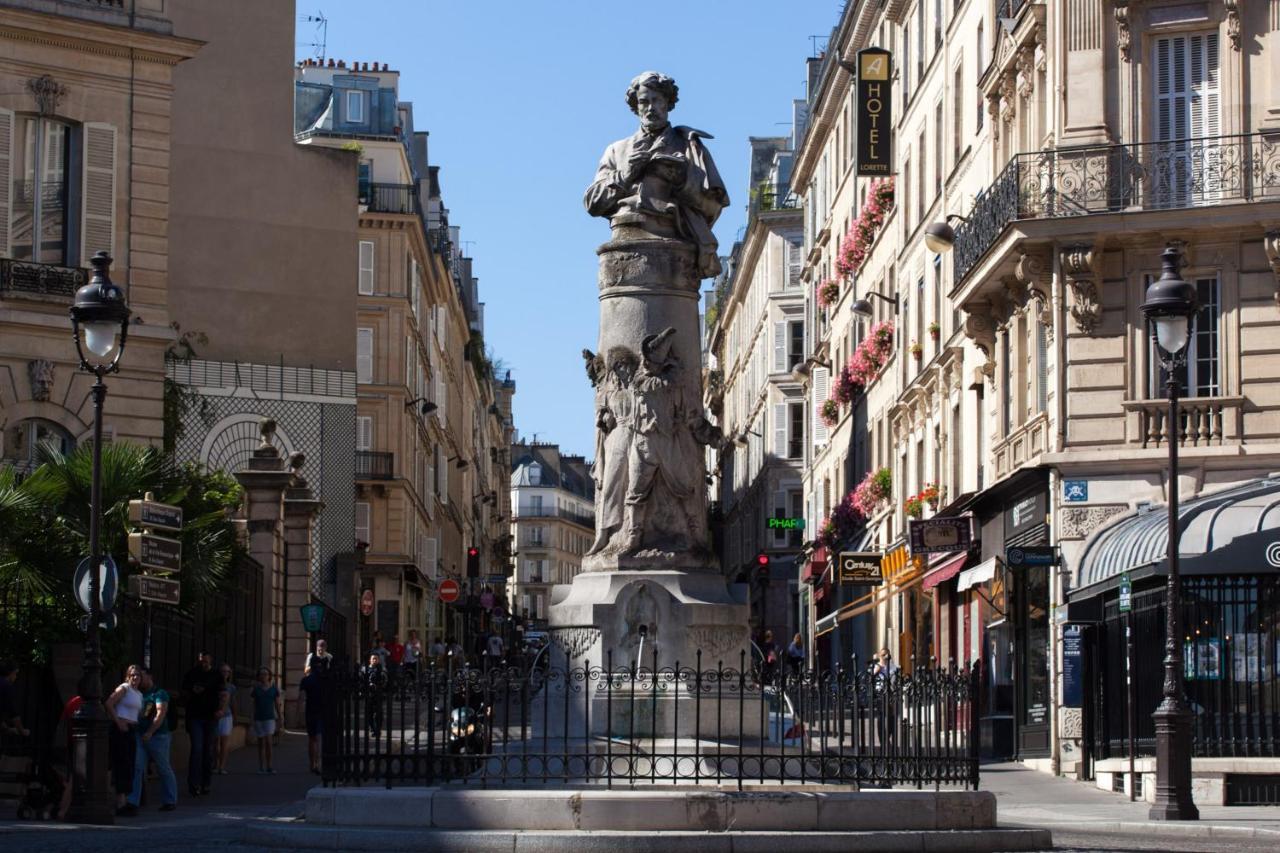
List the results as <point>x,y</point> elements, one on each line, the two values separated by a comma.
<point>298,836</point>
<point>1174,830</point>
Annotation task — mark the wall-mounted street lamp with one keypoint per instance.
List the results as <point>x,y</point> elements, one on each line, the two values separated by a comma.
<point>1170,308</point>
<point>862,307</point>
<point>741,439</point>
<point>461,463</point>
<point>939,237</point>
<point>802,370</point>
<point>100,325</point>
<point>427,406</point>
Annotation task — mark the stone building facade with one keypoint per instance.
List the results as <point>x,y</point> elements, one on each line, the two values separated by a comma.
<point>86,94</point>
<point>1021,380</point>
<point>757,338</point>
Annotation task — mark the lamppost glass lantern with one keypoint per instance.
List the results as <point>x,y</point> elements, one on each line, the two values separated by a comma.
<point>100,319</point>
<point>1171,306</point>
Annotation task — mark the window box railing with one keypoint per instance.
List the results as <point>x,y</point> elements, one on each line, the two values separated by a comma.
<point>1203,421</point>
<point>586,519</point>
<point>1088,180</point>
<point>374,465</point>
<point>23,278</point>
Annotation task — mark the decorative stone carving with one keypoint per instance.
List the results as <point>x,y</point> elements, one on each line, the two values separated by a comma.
<point>1070,723</point>
<point>980,328</point>
<point>40,372</point>
<point>716,640</point>
<point>1233,22</point>
<point>575,642</point>
<point>1026,65</point>
<point>993,110</point>
<point>1077,522</point>
<point>1124,37</point>
<point>1080,265</point>
<point>47,92</point>
<point>1034,272</point>
<point>1271,245</point>
<point>1008,102</point>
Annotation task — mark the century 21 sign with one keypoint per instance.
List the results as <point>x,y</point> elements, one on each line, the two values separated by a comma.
<point>875,116</point>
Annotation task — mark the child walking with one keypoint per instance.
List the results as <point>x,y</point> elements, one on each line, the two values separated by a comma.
<point>266,711</point>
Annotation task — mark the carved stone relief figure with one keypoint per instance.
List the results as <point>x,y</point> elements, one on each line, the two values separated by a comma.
<point>40,372</point>
<point>1080,268</point>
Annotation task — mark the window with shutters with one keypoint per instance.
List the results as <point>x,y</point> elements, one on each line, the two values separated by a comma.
<point>939,166</point>
<point>364,432</point>
<point>366,268</point>
<point>979,103</point>
<point>821,390</point>
<point>415,283</point>
<point>795,430</point>
<point>1042,367</point>
<point>1188,108</point>
<point>38,180</point>
<point>364,355</point>
<point>1200,376</point>
<point>957,115</point>
<point>363,530</point>
<point>795,343</point>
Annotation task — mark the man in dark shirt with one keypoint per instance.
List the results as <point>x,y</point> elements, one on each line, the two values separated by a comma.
<point>202,689</point>
<point>313,688</point>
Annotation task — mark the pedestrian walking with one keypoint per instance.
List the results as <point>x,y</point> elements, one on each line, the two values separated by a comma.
<point>769,652</point>
<point>412,654</point>
<point>437,651</point>
<point>202,689</point>
<point>153,743</point>
<point>795,656</point>
<point>313,689</point>
<point>395,654</point>
<point>319,659</point>
<point>226,720</point>
<point>380,649</point>
<point>266,713</point>
<point>494,650</point>
<point>123,706</point>
<point>375,682</point>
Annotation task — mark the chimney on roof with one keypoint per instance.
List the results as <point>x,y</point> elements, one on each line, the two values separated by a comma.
<point>331,62</point>
<point>384,66</point>
<point>342,63</point>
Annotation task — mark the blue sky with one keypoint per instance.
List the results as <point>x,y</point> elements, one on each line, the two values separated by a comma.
<point>522,96</point>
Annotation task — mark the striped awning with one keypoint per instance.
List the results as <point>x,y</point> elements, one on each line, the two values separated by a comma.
<point>899,567</point>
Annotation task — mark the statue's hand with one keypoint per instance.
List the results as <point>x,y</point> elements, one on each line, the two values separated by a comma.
<point>636,163</point>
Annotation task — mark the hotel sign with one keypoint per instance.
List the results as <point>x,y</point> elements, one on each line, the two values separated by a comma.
<point>874,116</point>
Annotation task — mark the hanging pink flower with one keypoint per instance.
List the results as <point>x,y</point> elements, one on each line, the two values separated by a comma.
<point>857,241</point>
<point>828,292</point>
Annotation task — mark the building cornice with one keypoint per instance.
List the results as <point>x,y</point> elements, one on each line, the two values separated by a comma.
<point>96,38</point>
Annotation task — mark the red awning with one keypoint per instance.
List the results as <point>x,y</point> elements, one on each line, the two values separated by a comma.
<point>816,565</point>
<point>945,572</point>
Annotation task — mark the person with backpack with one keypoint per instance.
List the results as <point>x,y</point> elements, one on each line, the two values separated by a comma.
<point>153,744</point>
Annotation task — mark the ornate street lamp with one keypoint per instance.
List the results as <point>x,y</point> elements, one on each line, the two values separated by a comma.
<point>1170,308</point>
<point>863,309</point>
<point>100,325</point>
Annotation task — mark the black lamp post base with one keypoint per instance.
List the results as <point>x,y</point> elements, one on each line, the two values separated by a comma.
<point>92,800</point>
<point>1173,766</point>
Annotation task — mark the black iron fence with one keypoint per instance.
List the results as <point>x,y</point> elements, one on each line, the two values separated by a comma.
<point>1231,668</point>
<point>374,465</point>
<point>511,725</point>
<point>1095,179</point>
<point>390,198</point>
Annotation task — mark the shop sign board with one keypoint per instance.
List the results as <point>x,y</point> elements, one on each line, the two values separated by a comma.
<point>1126,593</point>
<point>1031,555</point>
<point>1073,666</point>
<point>874,118</point>
<point>776,523</point>
<point>941,535</point>
<point>861,567</point>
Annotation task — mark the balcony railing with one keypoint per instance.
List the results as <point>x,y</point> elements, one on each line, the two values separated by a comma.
<point>19,278</point>
<point>374,465</point>
<point>390,198</point>
<point>586,519</point>
<point>1098,179</point>
<point>1202,421</point>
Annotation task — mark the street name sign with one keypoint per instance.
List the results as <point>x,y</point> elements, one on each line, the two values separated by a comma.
<point>155,552</point>
<point>157,589</point>
<point>156,516</point>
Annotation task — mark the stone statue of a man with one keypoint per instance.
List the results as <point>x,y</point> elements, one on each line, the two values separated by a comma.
<point>662,170</point>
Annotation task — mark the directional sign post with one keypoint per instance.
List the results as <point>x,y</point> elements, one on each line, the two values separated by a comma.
<point>159,590</point>
<point>156,516</point>
<point>155,552</point>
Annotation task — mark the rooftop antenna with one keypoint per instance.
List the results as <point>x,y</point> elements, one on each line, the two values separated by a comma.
<point>466,246</point>
<point>320,45</point>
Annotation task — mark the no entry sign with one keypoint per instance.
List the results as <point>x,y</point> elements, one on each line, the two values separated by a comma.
<point>449,591</point>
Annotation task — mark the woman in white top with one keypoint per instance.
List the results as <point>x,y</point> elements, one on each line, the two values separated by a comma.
<point>124,705</point>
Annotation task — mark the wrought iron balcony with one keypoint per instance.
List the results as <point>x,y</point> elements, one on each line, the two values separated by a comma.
<point>390,198</point>
<point>374,465</point>
<point>23,278</point>
<point>1098,179</point>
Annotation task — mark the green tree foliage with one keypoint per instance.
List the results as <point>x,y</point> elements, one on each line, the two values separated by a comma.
<point>44,533</point>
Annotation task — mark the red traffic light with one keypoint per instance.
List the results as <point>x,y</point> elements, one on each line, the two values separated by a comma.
<point>473,552</point>
<point>762,560</point>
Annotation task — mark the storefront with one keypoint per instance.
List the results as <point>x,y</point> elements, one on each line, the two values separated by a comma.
<point>1016,619</point>
<point>1230,565</point>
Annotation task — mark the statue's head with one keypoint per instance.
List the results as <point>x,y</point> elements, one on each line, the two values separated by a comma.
<point>623,364</point>
<point>651,96</point>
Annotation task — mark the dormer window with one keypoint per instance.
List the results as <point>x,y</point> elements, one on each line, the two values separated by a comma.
<point>355,107</point>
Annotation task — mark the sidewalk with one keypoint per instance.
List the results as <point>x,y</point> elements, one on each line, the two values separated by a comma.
<point>239,796</point>
<point>1027,797</point>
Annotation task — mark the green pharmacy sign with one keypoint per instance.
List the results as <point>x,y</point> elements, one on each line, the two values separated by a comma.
<point>786,524</point>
